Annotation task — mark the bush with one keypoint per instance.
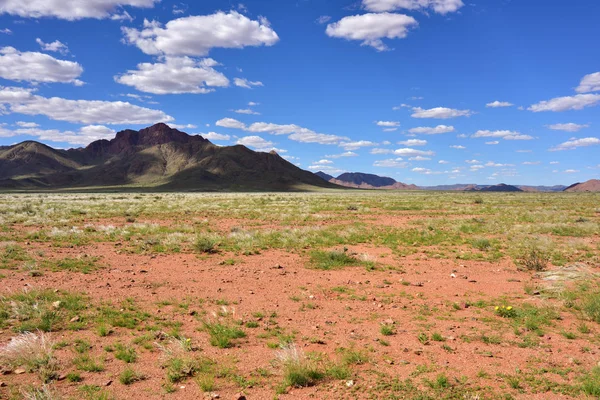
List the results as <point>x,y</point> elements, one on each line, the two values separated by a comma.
<point>222,335</point>
<point>206,244</point>
<point>535,259</point>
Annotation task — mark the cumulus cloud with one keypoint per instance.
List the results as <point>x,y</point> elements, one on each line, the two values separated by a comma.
<point>440,113</point>
<point>24,101</point>
<point>256,142</point>
<point>408,152</point>
<point>391,163</point>
<point>344,154</point>
<point>247,111</point>
<point>413,142</point>
<point>371,28</point>
<point>568,127</point>
<point>37,67</point>
<point>357,144</point>
<point>72,9</point>
<point>496,104</point>
<point>531,163</point>
<point>424,130</point>
<point>457,147</point>
<point>439,6</point>
<point>215,136</point>
<point>504,134</point>
<point>295,132</point>
<point>387,124</point>
<point>381,151</point>
<point>245,83</point>
<point>589,83</point>
<point>84,136</point>
<point>197,35</point>
<point>56,46</point>
<point>443,162</point>
<point>575,143</point>
<point>493,142</point>
<point>577,102</point>
<point>175,75</point>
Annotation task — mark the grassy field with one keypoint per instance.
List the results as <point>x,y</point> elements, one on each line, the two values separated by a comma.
<point>358,294</point>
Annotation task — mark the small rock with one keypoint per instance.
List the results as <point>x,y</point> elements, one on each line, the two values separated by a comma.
<point>452,275</point>
<point>19,371</point>
<point>239,396</point>
<point>350,383</point>
<point>108,383</point>
<point>56,304</point>
<point>61,377</point>
<point>2,384</point>
<point>75,319</point>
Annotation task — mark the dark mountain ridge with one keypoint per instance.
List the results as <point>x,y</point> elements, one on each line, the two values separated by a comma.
<point>158,157</point>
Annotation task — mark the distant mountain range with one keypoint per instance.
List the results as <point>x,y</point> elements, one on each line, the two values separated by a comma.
<point>158,157</point>
<point>361,180</point>
<point>162,158</point>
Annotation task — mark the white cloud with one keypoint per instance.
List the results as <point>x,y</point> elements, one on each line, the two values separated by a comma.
<point>568,127</point>
<point>496,104</point>
<point>245,83</point>
<point>6,31</point>
<point>432,130</point>
<point>408,152</point>
<point>440,113</point>
<point>357,144</point>
<point>56,46</point>
<point>197,35</point>
<point>571,171</point>
<point>557,104</point>
<point>443,162</point>
<point>84,136</point>
<point>554,162</point>
<point>323,162</point>
<point>344,154</point>
<point>494,142</point>
<point>231,123</point>
<point>326,168</point>
<point>589,83</point>
<point>531,163</point>
<point>246,111</point>
<point>71,9</point>
<point>575,143</point>
<point>388,124</point>
<point>401,106</point>
<point>295,132</point>
<point>381,151</point>
<point>23,101</point>
<point>413,142</point>
<point>457,147</point>
<point>182,126</point>
<point>419,158</point>
<point>215,136</point>
<point>439,6</point>
<point>27,124</point>
<point>391,163</point>
<point>497,165</point>
<point>37,67</point>
<point>175,75</point>
<point>504,134</point>
<point>256,142</point>
<point>252,104</point>
<point>472,162</point>
<point>323,19</point>
<point>371,28</point>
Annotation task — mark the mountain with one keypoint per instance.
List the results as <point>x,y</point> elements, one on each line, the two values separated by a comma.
<point>593,185</point>
<point>324,176</point>
<point>457,186</point>
<point>500,188</point>
<point>158,157</point>
<point>555,188</point>
<point>361,180</point>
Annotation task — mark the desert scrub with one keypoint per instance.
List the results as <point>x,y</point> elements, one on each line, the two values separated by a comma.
<point>505,311</point>
<point>223,335</point>
<point>130,376</point>
<point>329,260</point>
<point>206,244</point>
<point>298,370</point>
<point>32,351</point>
<point>534,258</point>
<point>84,265</point>
<point>41,310</point>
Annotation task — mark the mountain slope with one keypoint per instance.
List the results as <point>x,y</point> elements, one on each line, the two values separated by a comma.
<point>158,157</point>
<point>369,181</point>
<point>593,185</point>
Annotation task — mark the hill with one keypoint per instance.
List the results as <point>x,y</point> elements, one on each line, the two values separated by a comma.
<point>500,188</point>
<point>157,157</point>
<point>360,180</point>
<point>593,185</point>
<point>324,176</point>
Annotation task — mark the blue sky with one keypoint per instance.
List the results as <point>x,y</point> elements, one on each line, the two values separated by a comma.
<point>425,91</point>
